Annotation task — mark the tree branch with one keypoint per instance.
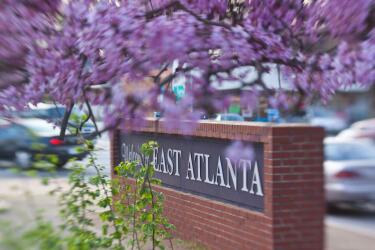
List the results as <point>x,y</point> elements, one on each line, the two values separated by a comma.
<point>157,12</point>
<point>177,5</point>
<point>91,114</point>
<point>157,77</point>
<point>64,123</point>
<point>203,20</point>
<point>173,75</point>
<point>83,122</point>
<point>99,132</point>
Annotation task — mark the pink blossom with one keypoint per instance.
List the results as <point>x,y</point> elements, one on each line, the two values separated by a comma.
<point>77,51</point>
<point>237,150</point>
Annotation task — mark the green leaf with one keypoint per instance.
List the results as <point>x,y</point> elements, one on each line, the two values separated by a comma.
<point>15,170</point>
<point>147,196</point>
<point>104,202</point>
<point>45,181</point>
<point>95,180</point>
<point>31,173</point>
<point>116,235</point>
<point>105,229</point>
<point>147,148</point>
<point>149,218</point>
<point>106,216</point>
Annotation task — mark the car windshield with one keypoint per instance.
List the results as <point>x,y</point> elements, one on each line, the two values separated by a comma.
<point>45,113</point>
<point>40,127</point>
<point>321,112</point>
<point>56,113</point>
<point>50,113</point>
<point>349,151</point>
<point>231,117</point>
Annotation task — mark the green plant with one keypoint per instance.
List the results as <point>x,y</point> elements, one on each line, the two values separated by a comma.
<point>98,212</point>
<point>144,206</point>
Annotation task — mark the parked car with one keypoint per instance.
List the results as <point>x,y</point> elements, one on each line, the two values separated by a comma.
<point>22,141</point>
<point>361,129</point>
<point>229,117</point>
<point>55,113</point>
<point>332,122</point>
<point>349,170</point>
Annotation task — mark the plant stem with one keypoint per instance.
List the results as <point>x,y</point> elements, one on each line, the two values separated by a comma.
<point>105,194</point>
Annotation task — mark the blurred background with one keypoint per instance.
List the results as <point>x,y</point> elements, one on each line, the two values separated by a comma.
<point>36,46</point>
<point>29,142</point>
<point>28,137</point>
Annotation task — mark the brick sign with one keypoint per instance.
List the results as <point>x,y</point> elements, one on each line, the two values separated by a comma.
<point>201,166</point>
<point>274,200</point>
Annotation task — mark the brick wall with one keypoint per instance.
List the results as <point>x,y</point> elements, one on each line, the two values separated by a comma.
<point>293,190</point>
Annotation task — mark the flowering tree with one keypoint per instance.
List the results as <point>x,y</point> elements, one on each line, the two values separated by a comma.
<point>98,51</point>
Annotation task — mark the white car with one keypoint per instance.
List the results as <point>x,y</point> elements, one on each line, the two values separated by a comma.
<point>229,117</point>
<point>349,170</point>
<point>55,113</point>
<point>361,129</point>
<point>329,120</point>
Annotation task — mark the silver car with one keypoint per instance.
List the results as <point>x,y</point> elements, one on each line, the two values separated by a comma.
<point>229,117</point>
<point>349,170</point>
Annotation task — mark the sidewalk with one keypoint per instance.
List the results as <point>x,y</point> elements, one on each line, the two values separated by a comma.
<point>341,239</point>
<point>22,198</point>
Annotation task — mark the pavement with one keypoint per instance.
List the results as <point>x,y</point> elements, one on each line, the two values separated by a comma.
<point>350,230</point>
<point>338,238</point>
<point>21,197</point>
<point>359,222</point>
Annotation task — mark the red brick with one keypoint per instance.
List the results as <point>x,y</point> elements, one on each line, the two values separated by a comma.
<point>293,186</point>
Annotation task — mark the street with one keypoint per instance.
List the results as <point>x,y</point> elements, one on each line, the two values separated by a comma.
<point>345,230</point>
<point>102,154</point>
<point>362,223</point>
<point>350,230</point>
